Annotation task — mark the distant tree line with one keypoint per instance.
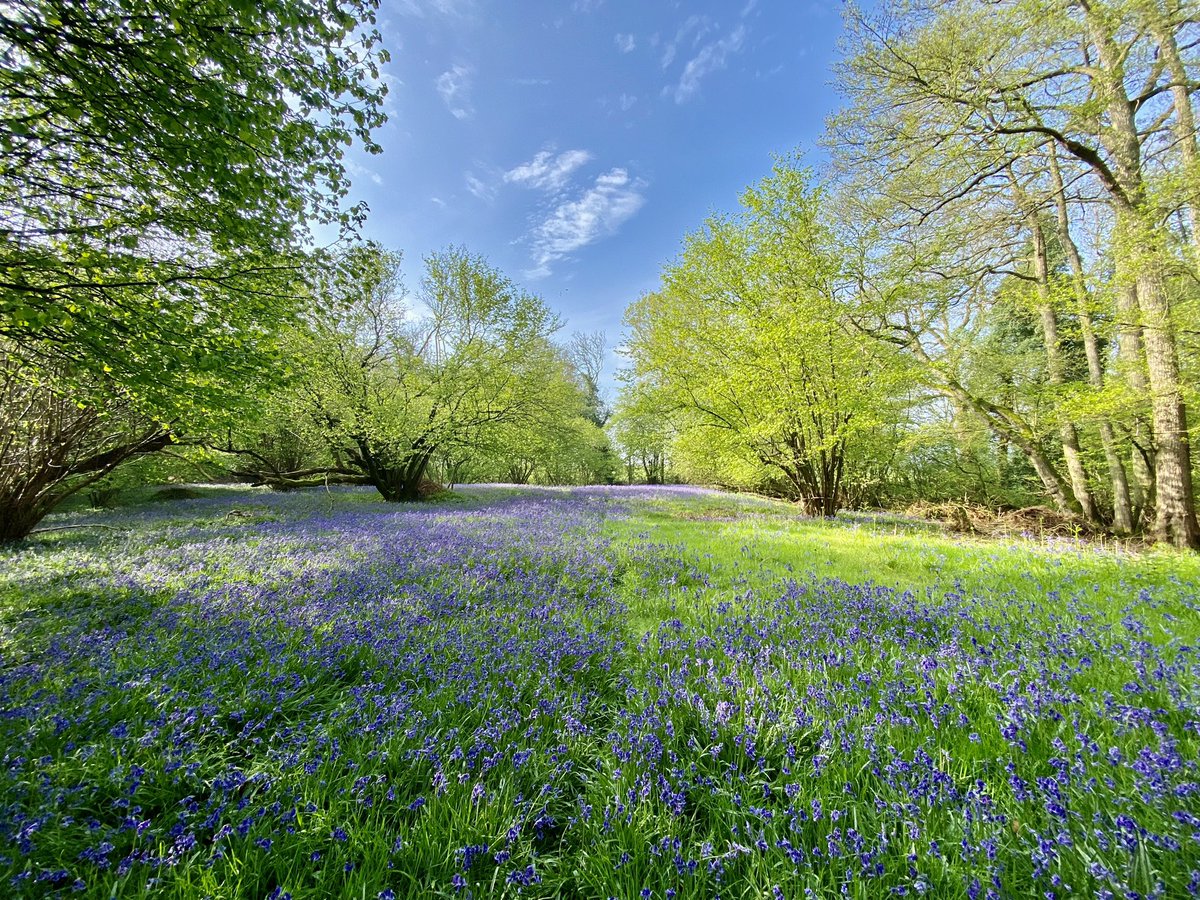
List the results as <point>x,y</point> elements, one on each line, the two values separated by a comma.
<point>465,384</point>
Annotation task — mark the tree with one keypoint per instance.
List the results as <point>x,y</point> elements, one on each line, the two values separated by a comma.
<point>965,92</point>
<point>750,337</point>
<point>586,351</point>
<point>558,442</point>
<point>52,447</point>
<point>641,429</point>
<point>391,387</point>
<point>161,163</point>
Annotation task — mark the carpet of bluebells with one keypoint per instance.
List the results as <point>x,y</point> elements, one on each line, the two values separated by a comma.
<point>278,696</point>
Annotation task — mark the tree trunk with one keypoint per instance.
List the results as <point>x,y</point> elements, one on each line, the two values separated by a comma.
<point>1133,368</point>
<point>18,519</point>
<point>1185,122</point>
<point>1055,368</point>
<point>1142,259</point>
<point>520,472</point>
<point>1186,141</point>
<point>398,483</point>
<point>651,468</point>
<point>831,479</point>
<point>1175,511</point>
<point>1123,520</point>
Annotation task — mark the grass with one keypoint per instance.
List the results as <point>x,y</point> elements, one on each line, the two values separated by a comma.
<point>595,693</point>
<point>765,539</point>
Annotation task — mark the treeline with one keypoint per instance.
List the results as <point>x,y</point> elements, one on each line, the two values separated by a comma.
<point>991,295</point>
<point>363,385</point>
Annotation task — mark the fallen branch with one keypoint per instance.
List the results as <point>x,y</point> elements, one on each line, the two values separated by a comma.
<point>67,527</point>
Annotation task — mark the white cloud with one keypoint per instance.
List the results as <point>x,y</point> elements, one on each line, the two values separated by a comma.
<point>695,28</point>
<point>626,43</point>
<point>598,213</point>
<point>424,8</point>
<point>479,187</point>
<point>626,102</point>
<point>360,171</point>
<point>548,172</point>
<point>711,57</point>
<point>586,6</point>
<point>455,85</point>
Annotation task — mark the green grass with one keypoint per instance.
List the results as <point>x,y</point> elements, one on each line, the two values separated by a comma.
<point>615,693</point>
<point>750,541</point>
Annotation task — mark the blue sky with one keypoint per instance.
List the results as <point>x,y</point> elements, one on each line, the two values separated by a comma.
<point>575,143</point>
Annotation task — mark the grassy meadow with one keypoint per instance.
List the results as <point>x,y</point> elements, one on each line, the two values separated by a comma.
<point>593,692</point>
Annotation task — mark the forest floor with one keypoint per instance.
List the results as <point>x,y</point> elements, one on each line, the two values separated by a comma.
<point>603,692</point>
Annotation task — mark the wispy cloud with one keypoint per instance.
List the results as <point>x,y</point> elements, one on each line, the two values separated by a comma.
<point>599,212</point>
<point>425,8</point>
<point>358,170</point>
<point>586,6</point>
<point>480,188</point>
<point>455,85</point>
<point>626,102</point>
<point>712,57</point>
<point>693,30</point>
<point>548,172</point>
<point>626,43</point>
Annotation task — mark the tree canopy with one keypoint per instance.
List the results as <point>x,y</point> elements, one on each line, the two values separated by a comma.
<point>751,340</point>
<point>161,166</point>
<point>463,373</point>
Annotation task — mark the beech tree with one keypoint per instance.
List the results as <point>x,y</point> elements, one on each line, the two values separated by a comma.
<point>161,165</point>
<point>962,94</point>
